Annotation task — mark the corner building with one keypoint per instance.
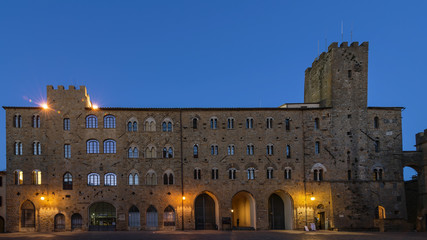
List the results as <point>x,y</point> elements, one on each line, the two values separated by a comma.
<point>330,160</point>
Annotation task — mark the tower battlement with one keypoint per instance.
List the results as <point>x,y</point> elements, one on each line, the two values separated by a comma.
<point>72,95</point>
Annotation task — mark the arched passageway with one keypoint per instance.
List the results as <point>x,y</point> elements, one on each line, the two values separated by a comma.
<point>205,212</point>
<point>102,217</point>
<point>243,211</point>
<point>280,211</point>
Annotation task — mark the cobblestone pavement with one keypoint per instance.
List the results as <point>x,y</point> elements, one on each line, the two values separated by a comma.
<point>219,235</point>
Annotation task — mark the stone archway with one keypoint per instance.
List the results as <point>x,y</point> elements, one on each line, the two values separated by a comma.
<point>102,217</point>
<point>206,212</point>
<point>243,211</point>
<point>280,211</point>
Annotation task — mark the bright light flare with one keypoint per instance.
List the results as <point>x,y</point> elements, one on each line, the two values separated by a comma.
<point>312,198</point>
<point>183,197</point>
<point>42,198</point>
<point>45,106</point>
<point>94,106</point>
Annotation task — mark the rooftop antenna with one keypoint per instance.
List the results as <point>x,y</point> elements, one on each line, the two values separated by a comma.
<point>342,31</point>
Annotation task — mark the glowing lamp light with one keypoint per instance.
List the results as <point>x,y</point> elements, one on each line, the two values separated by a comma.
<point>232,210</point>
<point>312,198</point>
<point>45,106</point>
<point>42,198</point>
<point>183,197</point>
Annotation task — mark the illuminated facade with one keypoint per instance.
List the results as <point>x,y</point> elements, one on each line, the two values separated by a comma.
<point>330,160</point>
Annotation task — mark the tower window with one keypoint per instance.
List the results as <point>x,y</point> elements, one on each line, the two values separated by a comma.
<point>194,123</point>
<point>66,124</point>
<point>287,124</point>
<point>376,122</point>
<point>230,123</point>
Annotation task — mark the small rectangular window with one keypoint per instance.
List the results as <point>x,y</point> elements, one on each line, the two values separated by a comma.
<point>349,73</point>
<point>349,175</point>
<point>287,124</point>
<point>66,124</point>
<point>317,148</point>
<point>67,151</point>
<point>214,173</point>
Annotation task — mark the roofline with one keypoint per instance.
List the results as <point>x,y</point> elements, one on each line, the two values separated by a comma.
<point>8,107</point>
<point>388,108</point>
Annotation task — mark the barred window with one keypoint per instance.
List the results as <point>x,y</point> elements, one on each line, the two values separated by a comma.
<point>66,124</point>
<point>67,151</point>
<point>93,179</point>
<point>109,121</point>
<point>110,179</point>
<point>109,146</point>
<point>91,121</point>
<point>92,146</point>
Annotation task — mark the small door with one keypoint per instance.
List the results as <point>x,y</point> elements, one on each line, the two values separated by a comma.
<point>276,210</point>
<point>321,220</point>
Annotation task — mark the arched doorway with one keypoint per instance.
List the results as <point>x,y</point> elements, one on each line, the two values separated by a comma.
<point>76,221</point>
<point>28,216</point>
<point>204,213</point>
<point>59,222</point>
<point>276,212</point>
<point>134,217</point>
<point>102,217</point>
<point>152,218</point>
<point>243,208</point>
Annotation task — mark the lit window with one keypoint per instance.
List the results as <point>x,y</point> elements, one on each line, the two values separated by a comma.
<point>269,123</point>
<point>66,124</point>
<point>214,123</point>
<point>251,173</point>
<point>17,121</point>
<point>110,179</point>
<point>18,148</point>
<point>214,149</point>
<point>37,148</point>
<point>250,149</point>
<point>288,172</point>
<point>230,150</point>
<point>169,216</point>
<point>19,177</point>
<point>37,177</point>
<point>249,123</point>
<point>270,149</point>
<point>232,173</point>
<point>270,173</point>
<point>195,151</point>
<point>197,174</point>
<point>67,151</point>
<point>36,121</point>
<point>91,121</point>
<point>92,146</point>
<point>230,123</point>
<point>214,173</point>
<point>109,121</point>
<point>109,146</point>
<point>380,212</point>
<point>67,183</point>
<point>93,179</point>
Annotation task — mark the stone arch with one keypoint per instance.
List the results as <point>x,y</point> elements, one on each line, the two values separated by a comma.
<point>28,215</point>
<point>202,209</point>
<point>102,216</point>
<point>287,214</point>
<point>243,210</point>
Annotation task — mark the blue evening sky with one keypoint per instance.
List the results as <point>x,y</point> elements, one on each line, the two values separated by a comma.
<point>207,53</point>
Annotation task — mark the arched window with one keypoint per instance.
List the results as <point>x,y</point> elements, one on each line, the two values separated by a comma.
<point>214,173</point>
<point>214,123</point>
<point>109,146</point>
<point>168,178</point>
<point>28,216</point>
<point>270,173</point>
<point>378,173</point>
<point>92,146</point>
<point>133,179</point>
<point>288,173</point>
<point>270,149</point>
<point>288,151</point>
<point>232,173</point>
<point>249,123</point>
<point>169,216</point>
<point>230,123</point>
<point>37,177</point>
<point>109,121</point>
<point>134,217</point>
<point>195,151</point>
<point>93,179</point>
<point>251,173</point>
<point>37,148</point>
<point>19,177</point>
<point>167,125</point>
<point>197,174</point>
<point>376,122</point>
<point>133,152</point>
<point>66,124</point>
<point>250,149</point>
<point>316,124</point>
<point>151,178</point>
<point>151,152</point>
<point>214,149</point>
<point>17,121</point>
<point>152,218</point>
<point>269,123</point>
<point>230,149</point>
<point>318,170</point>
<point>91,121</point>
<point>35,121</point>
<point>67,183</point>
<point>135,126</point>
<point>129,126</point>
<point>195,123</point>
<point>110,179</point>
<point>150,125</point>
<point>18,148</point>
<point>380,212</point>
